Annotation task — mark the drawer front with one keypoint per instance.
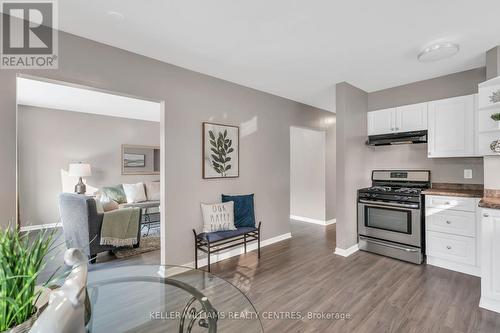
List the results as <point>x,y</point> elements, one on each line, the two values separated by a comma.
<point>460,249</point>
<point>452,222</point>
<point>453,203</point>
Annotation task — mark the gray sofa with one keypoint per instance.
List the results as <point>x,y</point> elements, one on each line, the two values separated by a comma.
<point>82,224</point>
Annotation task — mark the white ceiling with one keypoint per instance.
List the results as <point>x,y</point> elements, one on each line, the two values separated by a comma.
<point>291,48</point>
<point>62,97</point>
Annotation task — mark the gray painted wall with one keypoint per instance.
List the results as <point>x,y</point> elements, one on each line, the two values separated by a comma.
<point>307,173</point>
<point>493,63</point>
<point>353,159</point>
<point>49,141</point>
<point>457,84</point>
<point>190,98</point>
<point>446,170</point>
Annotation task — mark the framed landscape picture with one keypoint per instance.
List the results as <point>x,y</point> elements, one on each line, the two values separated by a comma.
<point>221,151</point>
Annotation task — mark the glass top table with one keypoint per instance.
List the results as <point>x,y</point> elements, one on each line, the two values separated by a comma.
<point>137,299</point>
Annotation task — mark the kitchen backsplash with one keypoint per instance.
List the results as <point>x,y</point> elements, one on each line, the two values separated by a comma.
<point>443,170</point>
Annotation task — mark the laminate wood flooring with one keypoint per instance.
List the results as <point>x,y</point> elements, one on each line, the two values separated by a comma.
<point>380,294</point>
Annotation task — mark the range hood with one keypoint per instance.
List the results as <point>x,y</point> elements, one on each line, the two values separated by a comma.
<point>397,138</point>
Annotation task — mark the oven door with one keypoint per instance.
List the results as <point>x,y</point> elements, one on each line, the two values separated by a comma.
<point>393,222</point>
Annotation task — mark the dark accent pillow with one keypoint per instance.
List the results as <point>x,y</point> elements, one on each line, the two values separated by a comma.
<point>115,193</point>
<point>244,214</point>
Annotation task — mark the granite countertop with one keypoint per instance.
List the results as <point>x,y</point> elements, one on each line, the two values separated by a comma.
<point>491,199</point>
<point>456,190</point>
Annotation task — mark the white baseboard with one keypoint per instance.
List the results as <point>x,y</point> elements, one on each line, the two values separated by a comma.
<point>346,252</point>
<point>228,254</point>
<point>489,304</point>
<point>309,220</point>
<point>41,226</point>
<point>332,221</point>
<point>466,269</point>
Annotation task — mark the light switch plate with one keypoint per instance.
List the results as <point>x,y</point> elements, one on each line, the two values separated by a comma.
<point>467,173</point>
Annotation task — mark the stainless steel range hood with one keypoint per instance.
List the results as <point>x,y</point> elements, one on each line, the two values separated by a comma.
<point>397,138</point>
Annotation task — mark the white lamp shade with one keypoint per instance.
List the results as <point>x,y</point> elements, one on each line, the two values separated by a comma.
<point>79,170</point>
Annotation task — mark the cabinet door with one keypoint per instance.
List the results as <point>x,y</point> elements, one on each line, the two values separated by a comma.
<point>490,259</point>
<point>411,118</point>
<point>381,121</point>
<point>451,127</point>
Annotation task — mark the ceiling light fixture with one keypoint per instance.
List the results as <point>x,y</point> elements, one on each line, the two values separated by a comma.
<point>116,16</point>
<point>438,51</point>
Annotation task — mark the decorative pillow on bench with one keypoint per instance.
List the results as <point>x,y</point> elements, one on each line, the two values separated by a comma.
<point>244,214</point>
<point>218,216</point>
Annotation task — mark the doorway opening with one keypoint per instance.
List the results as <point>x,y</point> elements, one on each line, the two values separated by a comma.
<point>308,175</point>
<point>96,151</point>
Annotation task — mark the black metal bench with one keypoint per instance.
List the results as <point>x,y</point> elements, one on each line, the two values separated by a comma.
<point>230,238</point>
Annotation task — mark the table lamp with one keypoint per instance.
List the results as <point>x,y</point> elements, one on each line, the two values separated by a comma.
<point>80,170</point>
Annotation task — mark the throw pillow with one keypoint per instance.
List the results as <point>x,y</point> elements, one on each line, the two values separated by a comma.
<point>109,205</point>
<point>115,193</point>
<point>134,192</point>
<point>218,216</point>
<point>152,191</point>
<point>244,214</point>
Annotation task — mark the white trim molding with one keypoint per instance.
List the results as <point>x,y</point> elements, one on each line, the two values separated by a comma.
<point>332,221</point>
<point>346,252</point>
<point>309,220</point>
<point>41,226</point>
<point>466,269</point>
<point>489,304</point>
<point>223,255</point>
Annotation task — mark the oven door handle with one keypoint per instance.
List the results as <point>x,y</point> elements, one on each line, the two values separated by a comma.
<point>389,245</point>
<point>388,204</point>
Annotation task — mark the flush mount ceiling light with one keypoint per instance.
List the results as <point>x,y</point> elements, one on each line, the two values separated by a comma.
<point>116,16</point>
<point>438,51</point>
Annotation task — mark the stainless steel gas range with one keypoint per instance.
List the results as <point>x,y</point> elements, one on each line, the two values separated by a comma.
<point>391,214</point>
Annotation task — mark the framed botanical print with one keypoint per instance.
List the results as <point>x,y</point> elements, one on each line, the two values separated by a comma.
<point>221,151</point>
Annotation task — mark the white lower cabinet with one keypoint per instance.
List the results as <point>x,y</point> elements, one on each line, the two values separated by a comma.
<point>451,233</point>
<point>490,260</point>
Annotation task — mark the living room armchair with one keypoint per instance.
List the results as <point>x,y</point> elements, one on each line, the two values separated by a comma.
<point>82,224</point>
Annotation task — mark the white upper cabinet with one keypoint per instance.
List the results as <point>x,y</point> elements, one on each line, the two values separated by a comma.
<point>411,118</point>
<point>451,127</point>
<point>395,120</point>
<point>381,121</point>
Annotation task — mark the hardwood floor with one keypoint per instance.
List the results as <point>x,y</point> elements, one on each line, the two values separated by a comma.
<point>380,294</point>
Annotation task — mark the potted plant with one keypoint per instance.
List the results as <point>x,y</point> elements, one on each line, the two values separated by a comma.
<point>21,261</point>
<point>496,117</point>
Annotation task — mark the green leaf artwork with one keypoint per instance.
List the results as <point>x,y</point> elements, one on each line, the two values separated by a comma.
<point>220,151</point>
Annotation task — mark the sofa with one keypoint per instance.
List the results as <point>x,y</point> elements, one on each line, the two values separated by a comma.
<point>143,195</point>
<point>82,224</point>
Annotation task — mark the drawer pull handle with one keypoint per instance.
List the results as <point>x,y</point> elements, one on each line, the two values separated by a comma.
<point>486,215</point>
<point>447,203</point>
<point>448,222</point>
<point>448,247</point>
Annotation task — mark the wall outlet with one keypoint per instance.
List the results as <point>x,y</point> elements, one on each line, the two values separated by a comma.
<point>468,173</point>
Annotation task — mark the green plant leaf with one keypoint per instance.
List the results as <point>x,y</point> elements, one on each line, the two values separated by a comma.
<point>227,159</point>
<point>228,167</point>
<point>230,150</point>
<point>225,133</point>
<point>215,151</point>
<point>211,134</point>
